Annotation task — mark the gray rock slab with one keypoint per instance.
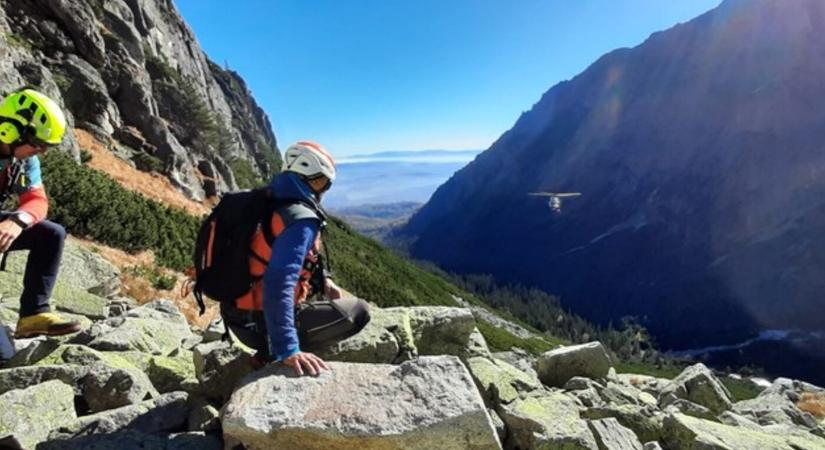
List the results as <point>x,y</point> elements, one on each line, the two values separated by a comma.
<point>547,421</point>
<point>157,328</point>
<point>698,385</point>
<point>376,343</point>
<point>167,412</point>
<point>168,373</point>
<point>441,330</point>
<point>476,346</point>
<point>215,331</point>
<point>611,435</point>
<point>691,409</point>
<point>219,368</point>
<point>645,421</point>
<point>682,431</point>
<point>500,382</point>
<point>428,403</point>
<point>778,404</point>
<point>106,387</point>
<point>136,440</point>
<point>558,366</point>
<point>203,417</point>
<point>30,414</point>
<point>24,377</point>
<point>520,359</point>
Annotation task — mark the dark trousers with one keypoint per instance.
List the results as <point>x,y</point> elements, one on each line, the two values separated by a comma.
<point>45,242</point>
<point>319,324</point>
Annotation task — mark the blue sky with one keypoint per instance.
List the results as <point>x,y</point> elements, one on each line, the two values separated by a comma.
<point>363,76</point>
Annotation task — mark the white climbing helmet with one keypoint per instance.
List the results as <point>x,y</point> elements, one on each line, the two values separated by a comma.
<point>309,159</point>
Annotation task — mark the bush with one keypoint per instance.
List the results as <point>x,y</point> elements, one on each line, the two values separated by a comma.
<point>90,203</point>
<point>154,275</point>
<point>147,162</point>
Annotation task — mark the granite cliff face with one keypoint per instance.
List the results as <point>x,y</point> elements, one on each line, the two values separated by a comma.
<point>132,73</point>
<point>699,156</point>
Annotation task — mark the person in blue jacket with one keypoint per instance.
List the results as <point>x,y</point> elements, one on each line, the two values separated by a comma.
<point>275,317</point>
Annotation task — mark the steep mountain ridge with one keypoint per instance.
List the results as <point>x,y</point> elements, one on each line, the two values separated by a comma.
<point>698,154</point>
<point>132,73</point>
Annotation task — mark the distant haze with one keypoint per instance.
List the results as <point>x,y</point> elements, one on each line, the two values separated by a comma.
<point>394,176</point>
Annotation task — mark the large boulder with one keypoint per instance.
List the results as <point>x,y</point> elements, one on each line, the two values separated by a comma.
<point>426,403</point>
<point>645,421</point>
<point>100,392</point>
<point>610,434</point>
<point>219,367</point>
<point>698,385</point>
<point>106,387</point>
<point>167,412</point>
<point>547,421</point>
<point>586,360</point>
<point>441,330</point>
<point>23,377</point>
<point>157,328</point>
<point>476,346</point>
<point>170,373</point>
<point>377,342</point>
<point>685,432</point>
<point>519,358</point>
<point>500,382</point>
<point>81,270</point>
<point>102,386</point>
<point>778,404</point>
<point>30,414</point>
<point>136,440</point>
<point>398,334</point>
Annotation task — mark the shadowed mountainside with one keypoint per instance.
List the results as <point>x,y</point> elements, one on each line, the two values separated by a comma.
<point>699,156</point>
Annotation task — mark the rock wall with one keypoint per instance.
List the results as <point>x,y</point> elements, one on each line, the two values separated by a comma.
<point>132,73</point>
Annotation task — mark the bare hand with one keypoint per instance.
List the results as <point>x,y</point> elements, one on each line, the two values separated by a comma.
<point>332,291</point>
<point>8,233</point>
<point>303,360</point>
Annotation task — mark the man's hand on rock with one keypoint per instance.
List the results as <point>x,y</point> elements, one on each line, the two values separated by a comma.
<point>303,360</point>
<point>9,231</point>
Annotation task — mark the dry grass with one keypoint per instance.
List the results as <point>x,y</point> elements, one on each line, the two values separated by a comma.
<point>812,402</point>
<point>152,185</point>
<point>156,187</point>
<point>142,290</point>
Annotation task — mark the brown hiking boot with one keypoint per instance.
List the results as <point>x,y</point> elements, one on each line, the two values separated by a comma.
<point>45,323</point>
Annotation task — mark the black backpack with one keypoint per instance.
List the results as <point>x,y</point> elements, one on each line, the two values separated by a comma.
<point>221,261</point>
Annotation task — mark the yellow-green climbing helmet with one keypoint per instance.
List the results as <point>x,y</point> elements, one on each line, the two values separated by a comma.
<point>38,115</point>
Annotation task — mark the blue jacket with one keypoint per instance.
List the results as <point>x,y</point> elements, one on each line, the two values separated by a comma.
<point>284,268</point>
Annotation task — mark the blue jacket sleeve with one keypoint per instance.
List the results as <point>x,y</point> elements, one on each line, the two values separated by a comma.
<point>280,278</point>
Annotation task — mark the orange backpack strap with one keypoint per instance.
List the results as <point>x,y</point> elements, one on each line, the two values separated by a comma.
<point>260,247</point>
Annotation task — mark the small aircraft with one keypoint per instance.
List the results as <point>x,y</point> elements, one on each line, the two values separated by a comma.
<point>555,198</point>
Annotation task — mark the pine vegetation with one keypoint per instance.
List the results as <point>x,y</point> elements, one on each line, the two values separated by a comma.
<point>90,203</point>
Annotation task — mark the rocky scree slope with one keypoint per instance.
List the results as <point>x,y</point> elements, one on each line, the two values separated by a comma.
<point>139,377</point>
<point>698,154</point>
<point>132,73</point>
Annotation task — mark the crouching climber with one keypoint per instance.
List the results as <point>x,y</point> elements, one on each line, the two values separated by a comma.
<point>30,123</point>
<point>293,307</point>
